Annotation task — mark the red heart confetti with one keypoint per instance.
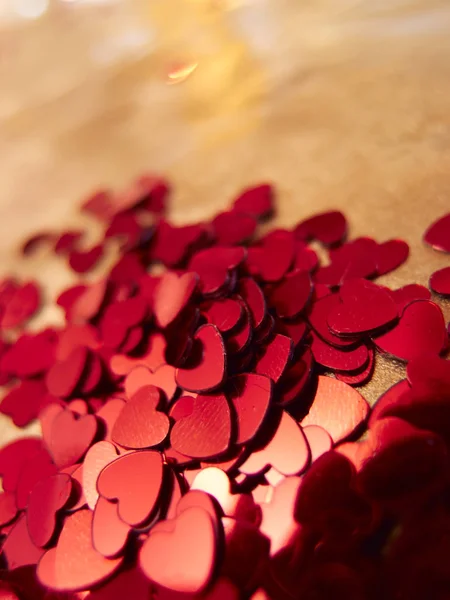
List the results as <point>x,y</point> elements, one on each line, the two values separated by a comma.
<point>205,366</point>
<point>437,234</point>
<point>440,281</point>
<point>337,408</point>
<point>209,422</point>
<point>287,450</point>
<point>421,329</point>
<point>188,572</point>
<point>122,480</point>
<point>171,296</point>
<point>203,427</point>
<point>74,564</point>
<point>71,437</point>
<point>140,424</point>
<point>365,307</point>
<point>45,500</point>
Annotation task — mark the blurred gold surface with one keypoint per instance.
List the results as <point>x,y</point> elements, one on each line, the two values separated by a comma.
<point>341,103</point>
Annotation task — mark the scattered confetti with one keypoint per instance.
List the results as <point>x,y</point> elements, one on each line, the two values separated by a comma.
<point>203,434</point>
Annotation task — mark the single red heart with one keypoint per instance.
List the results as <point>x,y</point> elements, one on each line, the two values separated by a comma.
<point>440,281</point>
<point>97,457</point>
<point>82,261</point>
<point>135,481</point>
<point>272,257</point>
<point>21,306</point>
<point>206,365</point>
<point>71,436</point>
<point>109,532</point>
<point>39,466</point>
<point>287,450</point>
<point>337,359</point>
<point>171,295</point>
<point>250,395</point>
<point>274,358</point>
<point>214,265</point>
<point>278,523</point>
<point>318,439</point>
<point>410,293</point>
<point>18,549</point>
<point>420,330</point>
<point>365,308</point>
<point>108,414</point>
<point>337,407</point>
<point>233,227</point>
<point>226,314</point>
<point>216,483</point>
<point>256,201</point>
<point>13,457</point>
<point>46,499</point>
<point>163,378</point>
<point>74,564</point>
<point>64,376</point>
<point>87,302</point>
<point>186,571</point>
<point>390,255</point>
<point>330,228</point>
<point>291,295</point>
<point>140,424</point>
<point>438,234</point>
<point>255,300</point>
<point>203,426</point>
<point>154,358</point>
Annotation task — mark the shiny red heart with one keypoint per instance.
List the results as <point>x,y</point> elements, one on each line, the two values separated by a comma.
<point>74,564</point>
<point>250,396</point>
<point>206,364</point>
<point>287,450</point>
<point>186,571</point>
<point>337,407</point>
<point>135,481</point>
<point>140,424</point>
<point>171,295</point>
<point>438,234</point>
<point>71,436</point>
<point>109,532</point>
<point>47,497</point>
<point>163,378</point>
<point>97,457</point>
<point>420,330</point>
<point>203,426</point>
<point>365,307</point>
<point>274,358</point>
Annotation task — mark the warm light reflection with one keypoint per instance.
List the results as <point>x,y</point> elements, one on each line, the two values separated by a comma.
<point>30,9</point>
<point>181,73</point>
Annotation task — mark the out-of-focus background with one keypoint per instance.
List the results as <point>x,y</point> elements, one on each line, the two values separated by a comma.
<point>341,103</point>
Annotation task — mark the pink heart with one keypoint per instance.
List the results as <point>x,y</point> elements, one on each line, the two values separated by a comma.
<point>287,451</point>
<point>163,378</point>
<point>186,571</point>
<point>71,437</point>
<point>97,457</point>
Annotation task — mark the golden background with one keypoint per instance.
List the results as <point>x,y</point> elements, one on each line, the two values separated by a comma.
<point>341,103</point>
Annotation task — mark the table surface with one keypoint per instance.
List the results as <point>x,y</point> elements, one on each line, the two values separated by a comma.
<point>341,103</point>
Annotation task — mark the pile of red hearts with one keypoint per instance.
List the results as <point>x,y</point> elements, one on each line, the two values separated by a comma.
<point>200,425</point>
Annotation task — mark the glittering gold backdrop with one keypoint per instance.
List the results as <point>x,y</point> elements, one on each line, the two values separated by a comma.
<point>341,103</point>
